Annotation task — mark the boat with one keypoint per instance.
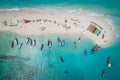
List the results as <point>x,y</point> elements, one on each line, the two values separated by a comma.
<point>74,44</point>
<point>20,45</point>
<point>61,59</point>
<point>27,41</point>
<point>108,62</point>
<point>31,42</point>
<point>79,39</point>
<point>34,42</point>
<point>103,73</point>
<point>59,41</point>
<point>49,43</point>
<point>95,49</point>
<point>63,43</point>
<point>16,41</point>
<point>41,48</point>
<point>12,44</point>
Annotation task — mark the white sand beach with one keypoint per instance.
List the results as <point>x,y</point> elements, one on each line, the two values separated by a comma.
<point>28,22</point>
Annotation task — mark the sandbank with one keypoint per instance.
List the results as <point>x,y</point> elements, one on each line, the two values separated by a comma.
<point>43,22</point>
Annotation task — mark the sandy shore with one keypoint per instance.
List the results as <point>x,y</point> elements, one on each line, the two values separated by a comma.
<point>48,22</point>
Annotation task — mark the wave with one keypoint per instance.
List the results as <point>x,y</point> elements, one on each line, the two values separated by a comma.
<point>67,9</point>
<point>109,21</point>
<point>95,14</point>
<point>12,9</point>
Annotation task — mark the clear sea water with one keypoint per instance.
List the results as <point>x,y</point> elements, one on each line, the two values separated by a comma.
<point>46,64</point>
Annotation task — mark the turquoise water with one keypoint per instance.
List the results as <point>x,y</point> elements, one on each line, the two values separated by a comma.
<point>46,64</point>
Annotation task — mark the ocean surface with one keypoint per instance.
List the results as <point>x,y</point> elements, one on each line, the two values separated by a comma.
<point>60,63</point>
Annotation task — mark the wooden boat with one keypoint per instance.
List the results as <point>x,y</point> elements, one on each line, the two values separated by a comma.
<point>109,62</point>
<point>20,45</point>
<point>59,41</point>
<point>63,43</point>
<point>49,43</point>
<point>16,41</point>
<point>79,39</point>
<point>95,49</point>
<point>41,48</point>
<point>34,42</point>
<point>12,44</point>
<point>74,44</point>
<point>27,40</point>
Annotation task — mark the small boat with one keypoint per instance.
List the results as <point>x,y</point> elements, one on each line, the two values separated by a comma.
<point>20,45</point>
<point>41,48</point>
<point>85,52</point>
<point>79,39</point>
<point>109,62</point>
<point>59,41</point>
<point>74,44</point>
<point>27,41</point>
<point>31,42</point>
<point>16,41</point>
<point>49,43</point>
<point>61,59</point>
<point>103,73</point>
<point>34,42</point>
<point>95,49</point>
<point>63,43</point>
<point>12,44</point>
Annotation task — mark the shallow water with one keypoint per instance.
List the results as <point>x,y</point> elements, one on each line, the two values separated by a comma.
<point>46,64</point>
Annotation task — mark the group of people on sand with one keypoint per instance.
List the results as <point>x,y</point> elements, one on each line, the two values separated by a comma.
<point>64,23</point>
<point>109,64</point>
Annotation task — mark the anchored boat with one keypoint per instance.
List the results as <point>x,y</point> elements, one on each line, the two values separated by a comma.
<point>95,49</point>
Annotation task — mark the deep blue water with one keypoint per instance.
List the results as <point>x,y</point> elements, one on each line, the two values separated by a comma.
<point>46,64</point>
